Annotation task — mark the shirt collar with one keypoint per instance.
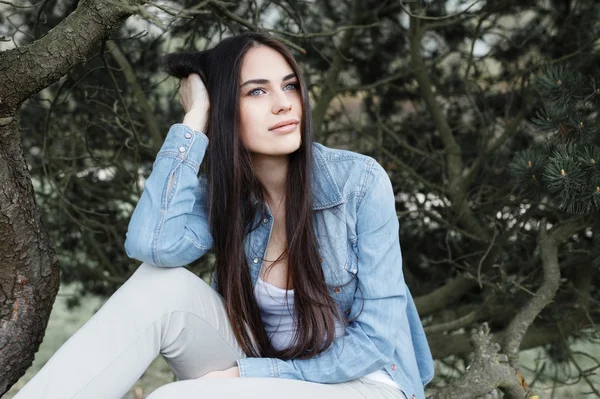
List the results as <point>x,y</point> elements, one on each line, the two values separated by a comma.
<point>326,193</point>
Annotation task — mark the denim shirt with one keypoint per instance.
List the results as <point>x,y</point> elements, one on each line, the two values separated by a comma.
<point>357,230</point>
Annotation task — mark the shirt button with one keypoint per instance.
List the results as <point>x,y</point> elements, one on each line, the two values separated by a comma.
<point>393,367</point>
<point>266,220</point>
<point>336,290</point>
<point>188,135</point>
<point>255,260</point>
<point>347,311</point>
<point>181,149</point>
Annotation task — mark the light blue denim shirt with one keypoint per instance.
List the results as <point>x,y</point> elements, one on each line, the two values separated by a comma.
<point>357,231</point>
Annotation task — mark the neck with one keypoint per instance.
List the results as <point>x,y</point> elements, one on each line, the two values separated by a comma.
<point>271,171</point>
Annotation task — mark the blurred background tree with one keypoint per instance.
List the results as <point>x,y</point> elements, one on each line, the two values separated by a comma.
<point>462,102</point>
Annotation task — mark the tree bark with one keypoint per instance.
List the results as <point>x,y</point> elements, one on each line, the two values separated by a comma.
<point>489,369</point>
<point>29,276</point>
<point>548,243</point>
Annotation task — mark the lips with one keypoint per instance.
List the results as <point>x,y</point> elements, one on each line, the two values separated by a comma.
<point>285,123</point>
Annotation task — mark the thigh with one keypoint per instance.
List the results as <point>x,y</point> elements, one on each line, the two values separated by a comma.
<point>271,388</point>
<point>196,334</point>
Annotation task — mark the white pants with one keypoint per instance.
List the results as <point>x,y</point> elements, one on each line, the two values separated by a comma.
<point>173,312</point>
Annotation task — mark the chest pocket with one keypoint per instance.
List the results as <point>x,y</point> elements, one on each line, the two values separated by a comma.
<point>340,267</point>
<point>338,260</point>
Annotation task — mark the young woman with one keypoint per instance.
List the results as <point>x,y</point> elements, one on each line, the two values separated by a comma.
<point>308,297</point>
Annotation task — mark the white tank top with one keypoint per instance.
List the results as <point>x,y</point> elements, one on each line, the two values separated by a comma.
<point>277,315</point>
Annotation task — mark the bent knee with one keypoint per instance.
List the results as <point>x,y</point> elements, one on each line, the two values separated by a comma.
<point>165,283</point>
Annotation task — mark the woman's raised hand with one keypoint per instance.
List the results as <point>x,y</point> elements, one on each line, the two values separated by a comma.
<point>193,97</point>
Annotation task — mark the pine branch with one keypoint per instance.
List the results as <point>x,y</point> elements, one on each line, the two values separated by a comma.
<point>566,168</point>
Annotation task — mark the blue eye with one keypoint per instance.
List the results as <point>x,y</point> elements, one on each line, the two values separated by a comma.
<point>251,92</point>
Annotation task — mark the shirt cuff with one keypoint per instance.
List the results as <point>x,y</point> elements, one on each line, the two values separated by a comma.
<point>258,367</point>
<point>182,142</point>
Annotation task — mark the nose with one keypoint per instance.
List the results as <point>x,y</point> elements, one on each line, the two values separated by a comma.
<point>281,102</point>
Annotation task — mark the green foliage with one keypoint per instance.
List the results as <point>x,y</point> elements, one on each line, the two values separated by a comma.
<point>566,168</point>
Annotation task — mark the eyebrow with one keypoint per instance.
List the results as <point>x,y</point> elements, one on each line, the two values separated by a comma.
<point>266,81</point>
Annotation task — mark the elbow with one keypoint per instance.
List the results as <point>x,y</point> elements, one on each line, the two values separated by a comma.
<point>143,251</point>
<point>180,252</point>
<point>139,249</point>
<point>163,250</point>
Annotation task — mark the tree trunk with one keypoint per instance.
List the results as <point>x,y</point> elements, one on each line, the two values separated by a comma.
<point>29,274</point>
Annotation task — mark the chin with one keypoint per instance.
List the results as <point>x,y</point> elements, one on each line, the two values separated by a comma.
<point>278,146</point>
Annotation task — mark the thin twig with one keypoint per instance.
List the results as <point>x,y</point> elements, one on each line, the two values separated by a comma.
<point>16,6</point>
<point>485,256</point>
<point>449,16</point>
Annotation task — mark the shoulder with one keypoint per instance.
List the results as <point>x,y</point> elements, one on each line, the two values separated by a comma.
<point>353,173</point>
<point>340,155</point>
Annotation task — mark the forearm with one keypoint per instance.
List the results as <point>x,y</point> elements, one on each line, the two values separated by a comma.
<point>195,120</point>
<point>169,225</point>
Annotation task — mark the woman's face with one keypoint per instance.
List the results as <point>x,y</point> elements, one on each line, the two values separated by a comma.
<point>269,95</point>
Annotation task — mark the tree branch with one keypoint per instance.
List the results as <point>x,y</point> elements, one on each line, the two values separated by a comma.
<point>510,130</point>
<point>65,46</point>
<point>548,243</point>
<point>140,97</point>
<point>221,8</point>
<point>461,322</point>
<point>445,295</point>
<point>445,17</point>
<point>456,183</point>
<point>329,85</point>
<point>488,370</point>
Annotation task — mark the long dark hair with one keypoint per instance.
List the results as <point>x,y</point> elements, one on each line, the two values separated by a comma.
<point>233,187</point>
